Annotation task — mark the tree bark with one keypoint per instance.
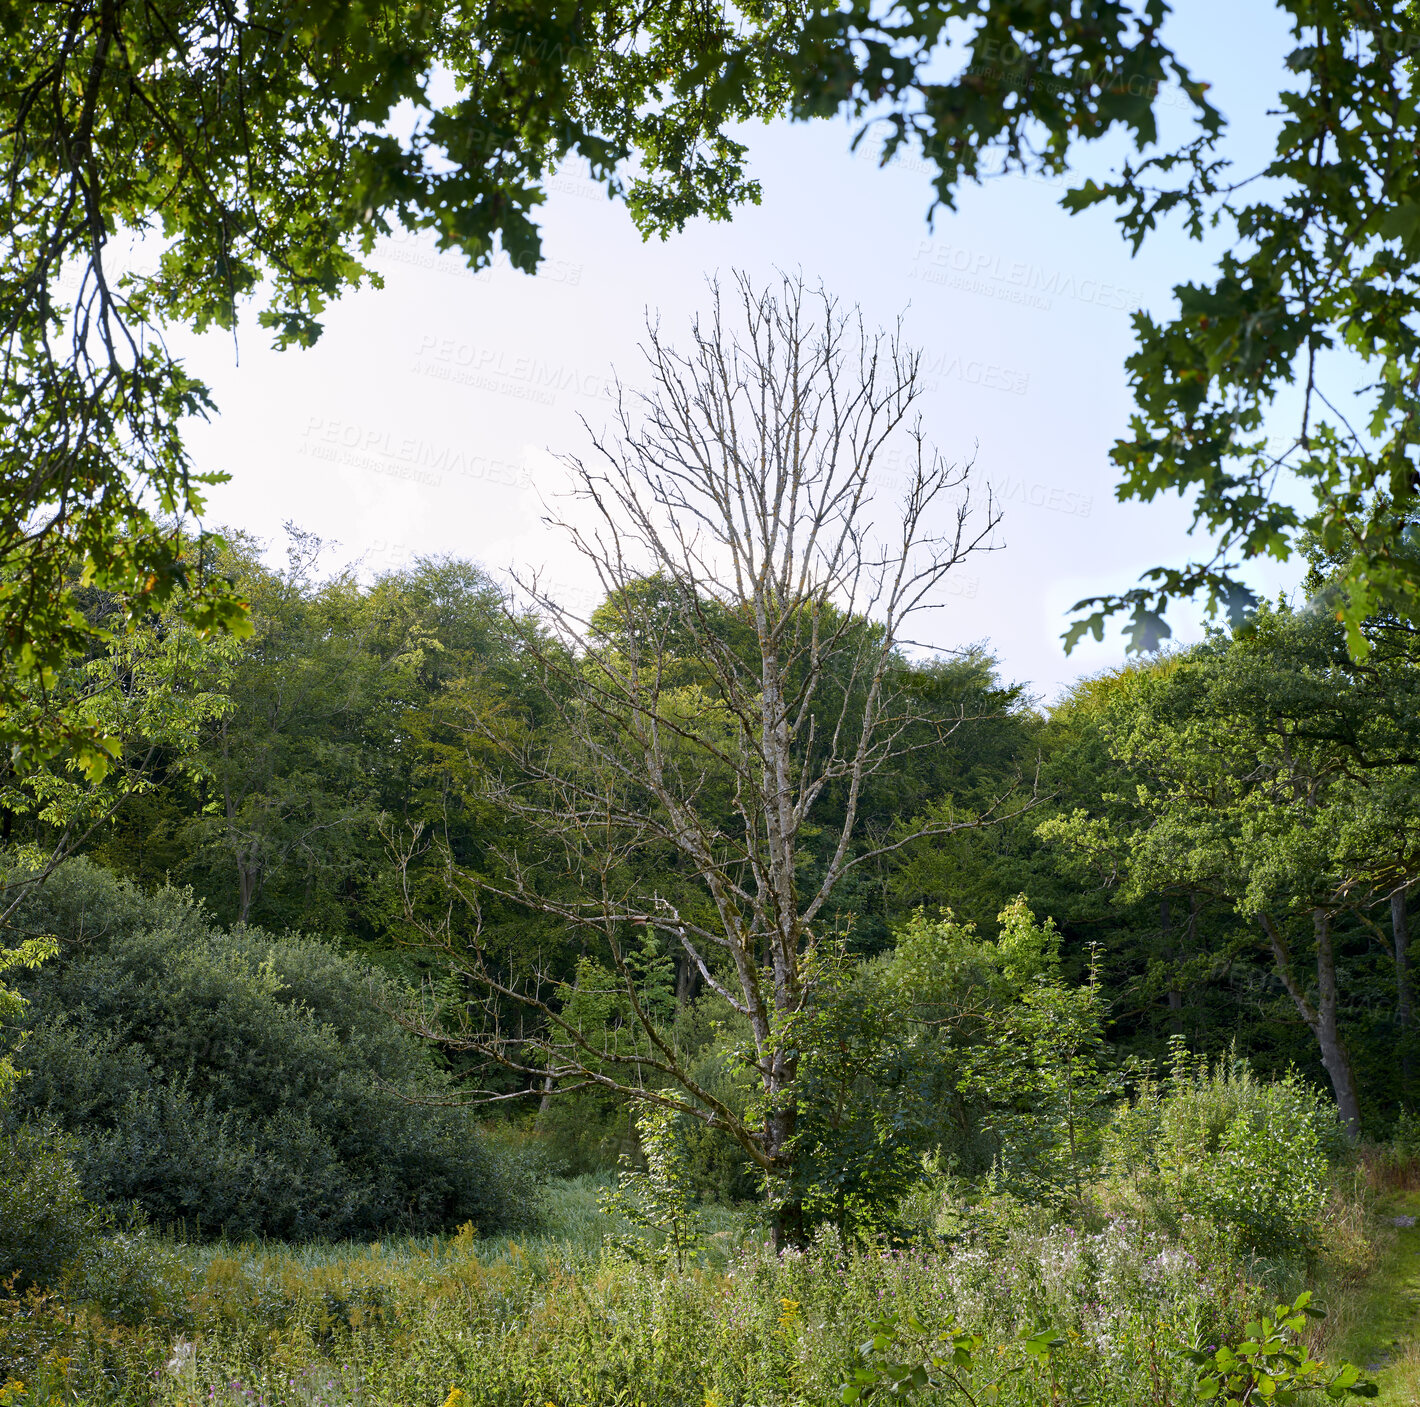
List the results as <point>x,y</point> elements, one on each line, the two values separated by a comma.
<point>1400,932</point>
<point>1200,1009</point>
<point>1175,997</point>
<point>1333,1050</point>
<point>787,1231</point>
<point>1321,1018</point>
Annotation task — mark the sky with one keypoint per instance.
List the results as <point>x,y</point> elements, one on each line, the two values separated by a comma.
<point>430,416</point>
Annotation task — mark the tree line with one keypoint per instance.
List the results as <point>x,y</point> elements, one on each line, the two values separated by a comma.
<point>731,845</point>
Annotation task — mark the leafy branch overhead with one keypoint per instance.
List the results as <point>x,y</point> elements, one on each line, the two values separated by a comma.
<point>1245,395</point>
<point>170,161</point>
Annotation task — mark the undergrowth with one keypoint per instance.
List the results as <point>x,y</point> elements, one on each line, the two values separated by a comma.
<point>573,1324</point>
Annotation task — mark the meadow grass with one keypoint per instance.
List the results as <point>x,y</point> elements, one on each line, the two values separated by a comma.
<point>565,1319</point>
<point>1382,1326</point>
<point>571,1323</point>
<point>570,1225</point>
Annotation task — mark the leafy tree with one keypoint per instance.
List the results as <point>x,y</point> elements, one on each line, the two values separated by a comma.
<point>29,953</point>
<point>152,688</point>
<point>1037,1071</point>
<point>1211,1140</point>
<point>657,1198</point>
<point>1272,772</point>
<point>290,784</point>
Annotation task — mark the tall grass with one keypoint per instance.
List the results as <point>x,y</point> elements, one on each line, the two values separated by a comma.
<point>568,1324</point>
<point>565,1319</point>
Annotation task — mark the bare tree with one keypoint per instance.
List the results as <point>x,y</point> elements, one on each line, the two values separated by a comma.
<point>744,676</point>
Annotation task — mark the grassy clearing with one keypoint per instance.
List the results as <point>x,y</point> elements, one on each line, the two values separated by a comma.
<point>563,1319</point>
<point>570,1227</point>
<point>1383,1332</point>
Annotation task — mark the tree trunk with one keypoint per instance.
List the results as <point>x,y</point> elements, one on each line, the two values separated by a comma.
<point>1321,1018</point>
<point>1400,932</point>
<point>787,1233</point>
<point>787,1229</point>
<point>687,980</point>
<point>1333,1049</point>
<point>1200,1009</point>
<point>1175,997</point>
<point>248,876</point>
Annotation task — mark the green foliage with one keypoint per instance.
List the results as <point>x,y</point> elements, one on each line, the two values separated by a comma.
<point>657,1198</point>
<point>52,1238</point>
<point>513,1324</point>
<point>1215,1143</point>
<point>1040,1071</point>
<point>46,1225</point>
<point>1268,773</point>
<point>241,1082</point>
<point>863,1097</point>
<point>1305,269</point>
<point>190,165</point>
<point>1270,1365</point>
<point>943,1360</point>
<point>28,954</point>
<point>950,1047</point>
<point>583,1131</point>
<point>189,161</point>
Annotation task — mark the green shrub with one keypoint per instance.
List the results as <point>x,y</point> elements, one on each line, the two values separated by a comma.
<point>583,1131</point>
<point>657,1199</point>
<point>1214,1142</point>
<point>905,1357</point>
<point>46,1225</point>
<point>245,1083</point>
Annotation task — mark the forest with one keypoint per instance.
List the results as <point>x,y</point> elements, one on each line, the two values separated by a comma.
<point>430,909</point>
<point>421,985</point>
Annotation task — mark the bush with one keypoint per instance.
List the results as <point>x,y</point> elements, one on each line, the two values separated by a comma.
<point>244,1083</point>
<point>1214,1142</point>
<point>46,1225</point>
